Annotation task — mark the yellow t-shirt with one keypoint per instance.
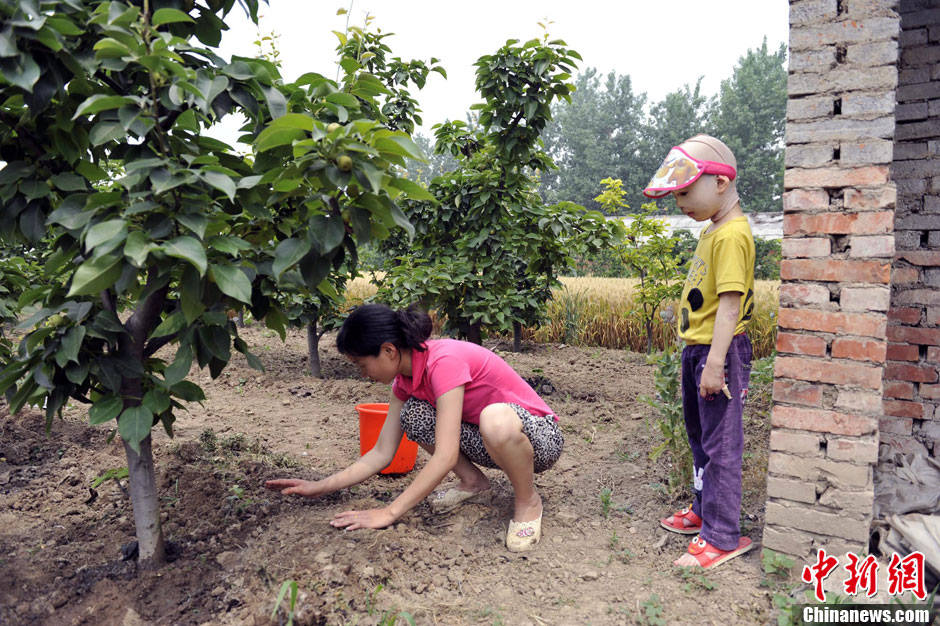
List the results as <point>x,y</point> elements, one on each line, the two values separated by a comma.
<point>723,261</point>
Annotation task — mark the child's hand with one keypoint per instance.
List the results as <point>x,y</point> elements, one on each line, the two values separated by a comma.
<point>713,379</point>
<point>295,486</point>
<point>373,518</point>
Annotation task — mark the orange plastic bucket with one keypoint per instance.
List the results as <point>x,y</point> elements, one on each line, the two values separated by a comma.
<point>371,420</point>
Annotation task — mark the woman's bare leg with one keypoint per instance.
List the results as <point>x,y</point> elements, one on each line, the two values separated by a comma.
<point>501,430</point>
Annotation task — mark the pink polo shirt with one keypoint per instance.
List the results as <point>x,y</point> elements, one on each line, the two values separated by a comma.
<point>487,379</point>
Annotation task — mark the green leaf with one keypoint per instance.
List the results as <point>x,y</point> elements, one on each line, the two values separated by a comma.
<point>172,324</point>
<point>105,410</point>
<point>69,182</point>
<point>103,132</point>
<point>221,182</point>
<point>156,401</point>
<point>104,231</point>
<point>100,102</point>
<point>413,189</point>
<point>288,253</point>
<point>277,104</point>
<point>231,281</point>
<point>95,275</point>
<point>191,295</point>
<point>228,244</point>
<point>21,71</point>
<point>196,222</point>
<point>327,231</point>
<point>189,249</point>
<point>188,391</point>
<point>70,345</point>
<point>168,16</point>
<point>179,368</point>
<point>401,145</point>
<point>297,121</point>
<point>272,137</point>
<point>137,247</point>
<point>134,425</point>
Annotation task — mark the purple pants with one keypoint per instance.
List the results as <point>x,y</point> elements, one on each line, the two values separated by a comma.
<point>716,434</point>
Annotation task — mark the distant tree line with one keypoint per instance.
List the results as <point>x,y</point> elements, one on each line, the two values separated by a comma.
<point>609,130</point>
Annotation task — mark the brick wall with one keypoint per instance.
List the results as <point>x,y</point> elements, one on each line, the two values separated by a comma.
<point>835,293</point>
<point>912,391</point>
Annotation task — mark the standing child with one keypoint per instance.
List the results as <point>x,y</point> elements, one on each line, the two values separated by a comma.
<point>717,302</point>
<point>459,401</point>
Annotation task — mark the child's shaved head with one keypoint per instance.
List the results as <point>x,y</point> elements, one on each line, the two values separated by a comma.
<point>708,148</point>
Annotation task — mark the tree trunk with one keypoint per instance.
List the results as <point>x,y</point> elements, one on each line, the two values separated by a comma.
<point>649,336</point>
<point>516,337</point>
<point>241,318</point>
<point>140,469</point>
<point>313,350</point>
<point>475,333</point>
<point>146,504</point>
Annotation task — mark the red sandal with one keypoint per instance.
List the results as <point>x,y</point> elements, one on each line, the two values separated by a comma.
<point>709,556</point>
<point>684,522</point>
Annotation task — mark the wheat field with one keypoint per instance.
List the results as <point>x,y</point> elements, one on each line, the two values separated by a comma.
<point>594,311</point>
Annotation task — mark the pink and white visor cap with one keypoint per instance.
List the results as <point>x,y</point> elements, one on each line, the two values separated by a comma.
<point>679,170</point>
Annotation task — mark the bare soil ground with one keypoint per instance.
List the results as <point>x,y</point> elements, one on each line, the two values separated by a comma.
<point>233,543</point>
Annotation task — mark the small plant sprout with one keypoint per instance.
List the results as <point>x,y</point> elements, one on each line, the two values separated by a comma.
<point>288,586</point>
<point>605,498</point>
<point>651,611</point>
<point>116,473</point>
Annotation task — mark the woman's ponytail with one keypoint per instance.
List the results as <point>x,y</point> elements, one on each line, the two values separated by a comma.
<point>371,325</point>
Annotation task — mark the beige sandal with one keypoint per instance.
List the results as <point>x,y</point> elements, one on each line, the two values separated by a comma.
<point>450,499</point>
<point>523,536</point>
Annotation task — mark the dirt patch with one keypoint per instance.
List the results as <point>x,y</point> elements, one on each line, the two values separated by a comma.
<point>233,543</point>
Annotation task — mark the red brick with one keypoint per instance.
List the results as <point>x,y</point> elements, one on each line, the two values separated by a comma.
<point>899,275</point>
<point>836,177</point>
<point>913,335</point>
<point>805,247</point>
<point>857,450</point>
<point>797,393</point>
<point>928,392</point>
<point>859,324</point>
<point>933,354</point>
<point>933,315</point>
<point>902,352</point>
<point>795,442</point>
<point>868,199</point>
<point>832,372</point>
<point>865,298</point>
<point>803,293</point>
<point>822,421</point>
<point>896,425</point>
<point>858,349</point>
<point>847,271</point>
<point>865,401</point>
<point>904,408</point>
<point>876,246</point>
<point>801,344</point>
<point>902,390</point>
<point>804,199</point>
<point>905,314</point>
<point>930,258</point>
<point>912,373</point>
<point>838,223</point>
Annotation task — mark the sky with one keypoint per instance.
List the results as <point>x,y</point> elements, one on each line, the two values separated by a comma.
<point>660,45</point>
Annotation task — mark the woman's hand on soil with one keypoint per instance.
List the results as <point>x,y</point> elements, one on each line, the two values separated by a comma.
<point>372,518</point>
<point>295,486</point>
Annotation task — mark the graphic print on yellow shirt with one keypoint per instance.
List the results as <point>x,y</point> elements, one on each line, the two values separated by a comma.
<point>723,261</point>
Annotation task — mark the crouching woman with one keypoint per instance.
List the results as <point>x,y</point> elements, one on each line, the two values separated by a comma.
<point>462,403</point>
